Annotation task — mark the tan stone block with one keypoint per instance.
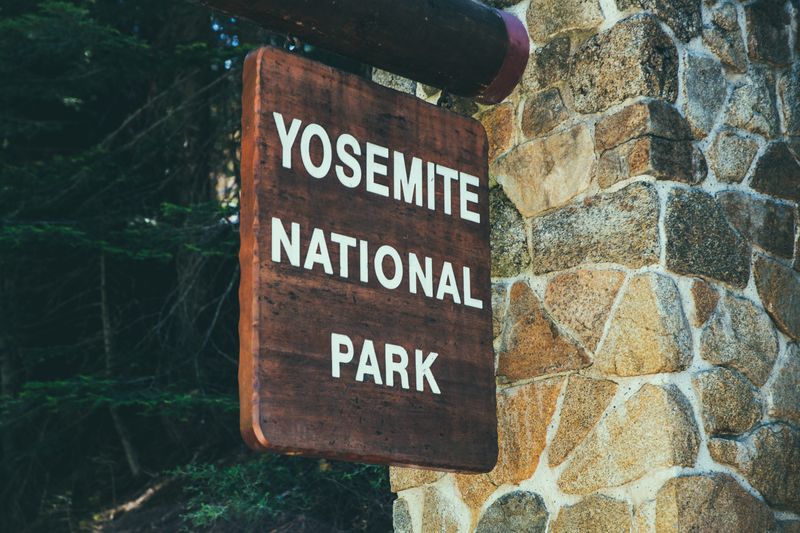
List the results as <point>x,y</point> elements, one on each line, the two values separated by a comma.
<point>532,345</point>
<point>651,117</point>
<point>585,400</point>
<point>438,513</point>
<point>474,489</point>
<point>722,450</point>
<point>769,458</point>
<point>499,124</point>
<point>663,159</point>
<point>711,503</point>
<point>546,173</point>
<point>543,111</point>
<point>581,301</point>
<point>784,391</point>
<point>654,429</point>
<point>730,156</point>
<point>618,227</point>
<point>612,167</point>
<point>547,18</point>
<point>779,288</point>
<point>523,414</point>
<point>401,478</point>
<point>728,400</point>
<point>648,332</point>
<point>740,336</point>
<point>653,156</point>
<point>705,299</point>
<point>594,514</point>
<point>644,517</point>
<point>633,58</point>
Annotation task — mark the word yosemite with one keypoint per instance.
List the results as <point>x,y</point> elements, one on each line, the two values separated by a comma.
<point>417,273</point>
<point>395,363</point>
<point>407,184</point>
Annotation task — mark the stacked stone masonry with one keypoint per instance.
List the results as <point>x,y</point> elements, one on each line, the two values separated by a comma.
<point>646,276</point>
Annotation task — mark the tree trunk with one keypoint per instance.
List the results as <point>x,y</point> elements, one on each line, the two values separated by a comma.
<point>7,377</point>
<point>194,185</point>
<point>108,345</point>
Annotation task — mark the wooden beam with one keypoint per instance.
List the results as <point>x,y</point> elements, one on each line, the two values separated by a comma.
<point>463,46</point>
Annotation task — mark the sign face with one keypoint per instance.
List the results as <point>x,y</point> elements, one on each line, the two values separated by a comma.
<point>365,321</point>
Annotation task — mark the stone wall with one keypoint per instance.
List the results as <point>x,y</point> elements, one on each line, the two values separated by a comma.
<point>645,266</point>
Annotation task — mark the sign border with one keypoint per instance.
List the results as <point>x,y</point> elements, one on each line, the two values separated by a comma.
<point>249,258</point>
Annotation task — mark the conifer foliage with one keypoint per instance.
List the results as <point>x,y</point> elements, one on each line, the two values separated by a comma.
<point>119,132</point>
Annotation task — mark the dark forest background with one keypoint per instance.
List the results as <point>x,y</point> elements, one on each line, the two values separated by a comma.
<point>119,135</point>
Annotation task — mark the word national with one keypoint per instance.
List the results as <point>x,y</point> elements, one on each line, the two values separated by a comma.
<point>406,183</point>
<point>409,270</point>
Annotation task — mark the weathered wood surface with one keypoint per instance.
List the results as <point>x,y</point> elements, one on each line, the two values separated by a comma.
<point>289,400</point>
<point>459,45</point>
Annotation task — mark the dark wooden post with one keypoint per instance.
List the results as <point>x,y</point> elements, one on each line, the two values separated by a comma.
<point>463,46</point>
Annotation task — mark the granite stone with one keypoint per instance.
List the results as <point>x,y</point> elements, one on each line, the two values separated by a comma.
<point>585,400</point>
<point>547,19</point>
<point>789,91</point>
<point>619,227</point>
<point>709,503</point>
<point>724,38</point>
<point>777,172</point>
<point>581,301</point>
<point>769,459</point>
<point>632,58</point>
<point>768,27</point>
<point>648,332</point>
<point>752,104</point>
<point>729,402</point>
<point>783,391</point>
<point>543,111</point>
<point>653,429</point>
<point>549,172</point>
<point>594,514</point>
<point>740,336</point>
<point>730,156</point>
<point>518,511</point>
<point>779,289</point>
<point>768,224</point>
<point>705,91</point>
<point>507,236</point>
<point>701,242</point>
<point>532,345</point>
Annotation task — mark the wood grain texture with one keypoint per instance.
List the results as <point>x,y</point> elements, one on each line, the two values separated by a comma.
<point>458,45</point>
<point>289,401</point>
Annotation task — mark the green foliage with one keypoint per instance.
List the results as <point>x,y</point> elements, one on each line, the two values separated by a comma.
<point>119,127</point>
<point>270,490</point>
<point>41,398</point>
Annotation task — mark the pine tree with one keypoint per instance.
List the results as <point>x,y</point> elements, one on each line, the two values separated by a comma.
<point>118,265</point>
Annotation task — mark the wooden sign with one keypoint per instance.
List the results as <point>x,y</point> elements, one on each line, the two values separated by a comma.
<point>365,320</point>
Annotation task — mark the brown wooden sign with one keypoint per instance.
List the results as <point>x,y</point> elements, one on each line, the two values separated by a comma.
<point>365,320</point>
